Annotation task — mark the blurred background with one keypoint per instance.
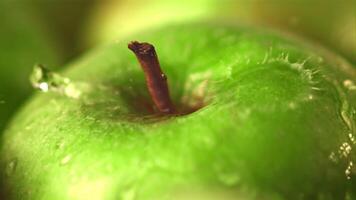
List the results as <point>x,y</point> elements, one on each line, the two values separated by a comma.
<point>54,32</point>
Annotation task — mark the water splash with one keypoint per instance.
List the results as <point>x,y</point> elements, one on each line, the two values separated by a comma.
<point>45,80</point>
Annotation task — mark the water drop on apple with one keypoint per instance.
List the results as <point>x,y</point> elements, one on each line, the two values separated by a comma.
<point>60,145</point>
<point>349,170</point>
<point>45,80</point>
<point>11,167</point>
<point>229,178</point>
<point>66,160</point>
<point>350,85</point>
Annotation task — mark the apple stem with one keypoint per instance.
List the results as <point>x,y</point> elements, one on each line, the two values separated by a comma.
<point>156,80</point>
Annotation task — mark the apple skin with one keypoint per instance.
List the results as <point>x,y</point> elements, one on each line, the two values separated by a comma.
<point>330,22</point>
<point>24,42</point>
<point>277,123</point>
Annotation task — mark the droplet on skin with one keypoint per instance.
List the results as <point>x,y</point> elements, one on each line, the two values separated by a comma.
<point>196,88</point>
<point>292,105</point>
<point>72,91</point>
<point>316,88</point>
<point>348,170</point>
<point>345,149</point>
<point>43,87</point>
<point>265,58</point>
<point>320,60</point>
<point>11,167</point>
<point>66,160</point>
<point>229,72</point>
<point>333,157</point>
<point>46,80</point>
<point>350,85</point>
<point>346,119</point>
<point>60,145</point>
<point>352,138</point>
<point>245,113</point>
<point>164,77</point>
<point>229,179</point>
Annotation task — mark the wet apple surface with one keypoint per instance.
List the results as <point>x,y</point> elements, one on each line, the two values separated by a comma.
<point>276,121</point>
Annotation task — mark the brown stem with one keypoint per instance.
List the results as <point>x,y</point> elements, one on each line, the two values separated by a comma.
<point>156,80</point>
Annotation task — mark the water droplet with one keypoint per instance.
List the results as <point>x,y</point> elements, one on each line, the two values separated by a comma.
<point>346,109</point>
<point>11,167</point>
<point>346,118</point>
<point>333,157</point>
<point>345,149</point>
<point>196,88</point>
<point>43,86</point>
<point>292,105</point>
<point>352,138</point>
<point>45,80</point>
<point>229,179</point>
<point>66,160</point>
<point>348,170</point>
<point>245,113</point>
<point>320,59</point>
<point>60,145</point>
<point>229,72</point>
<point>350,85</point>
<point>164,77</point>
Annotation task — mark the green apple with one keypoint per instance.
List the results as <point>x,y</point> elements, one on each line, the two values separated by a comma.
<point>23,42</point>
<point>275,121</point>
<point>330,22</point>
